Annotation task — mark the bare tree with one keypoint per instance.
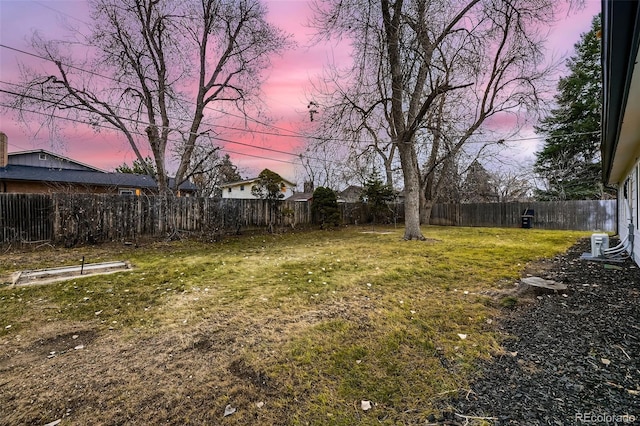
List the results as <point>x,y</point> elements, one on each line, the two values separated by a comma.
<point>153,69</point>
<point>209,171</point>
<point>422,51</point>
<point>512,185</point>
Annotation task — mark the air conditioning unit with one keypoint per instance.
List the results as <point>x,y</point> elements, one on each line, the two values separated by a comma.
<point>599,243</point>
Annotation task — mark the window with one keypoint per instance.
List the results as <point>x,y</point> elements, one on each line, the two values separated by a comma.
<point>229,190</point>
<point>126,191</point>
<point>42,156</point>
<point>241,187</point>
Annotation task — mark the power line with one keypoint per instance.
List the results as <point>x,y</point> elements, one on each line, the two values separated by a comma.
<point>278,151</point>
<point>61,12</point>
<point>209,107</point>
<point>211,137</point>
<point>263,158</point>
<point>138,122</point>
<point>224,140</point>
<point>184,120</point>
<point>292,134</point>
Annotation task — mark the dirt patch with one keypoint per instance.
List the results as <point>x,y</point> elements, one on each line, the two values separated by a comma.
<point>188,372</point>
<point>241,369</point>
<point>61,343</point>
<point>48,342</point>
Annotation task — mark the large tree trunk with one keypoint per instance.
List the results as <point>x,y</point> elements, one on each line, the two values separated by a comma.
<point>158,148</point>
<point>425,209</point>
<point>424,206</point>
<point>411,175</point>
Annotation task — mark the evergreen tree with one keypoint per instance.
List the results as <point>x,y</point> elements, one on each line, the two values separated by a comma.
<point>269,186</point>
<point>325,207</point>
<point>478,186</point>
<point>210,171</point>
<point>569,162</point>
<point>377,195</point>
<point>228,171</point>
<point>138,168</point>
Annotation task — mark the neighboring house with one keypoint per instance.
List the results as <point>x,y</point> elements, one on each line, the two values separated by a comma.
<point>305,196</point>
<point>350,195</point>
<point>41,171</point>
<point>242,189</point>
<point>301,197</point>
<point>621,113</point>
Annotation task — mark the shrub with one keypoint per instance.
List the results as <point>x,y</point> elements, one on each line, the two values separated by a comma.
<point>324,207</point>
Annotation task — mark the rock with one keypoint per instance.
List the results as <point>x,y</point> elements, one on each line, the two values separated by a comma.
<point>228,410</point>
<point>542,283</point>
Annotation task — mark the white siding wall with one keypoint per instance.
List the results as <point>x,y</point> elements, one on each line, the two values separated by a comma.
<point>242,192</point>
<point>628,208</point>
<point>238,192</point>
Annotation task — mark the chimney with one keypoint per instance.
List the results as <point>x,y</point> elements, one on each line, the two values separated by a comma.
<point>4,150</point>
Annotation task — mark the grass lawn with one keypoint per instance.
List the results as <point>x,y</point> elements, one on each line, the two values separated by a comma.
<point>287,329</point>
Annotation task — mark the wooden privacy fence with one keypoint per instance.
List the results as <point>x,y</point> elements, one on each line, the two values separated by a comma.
<point>25,217</point>
<point>73,219</point>
<point>588,215</point>
<point>78,218</point>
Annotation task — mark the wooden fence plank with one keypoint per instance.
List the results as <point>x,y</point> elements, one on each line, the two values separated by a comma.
<point>77,218</point>
<point>596,215</point>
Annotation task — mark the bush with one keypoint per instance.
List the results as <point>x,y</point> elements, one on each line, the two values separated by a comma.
<point>377,196</point>
<point>324,207</point>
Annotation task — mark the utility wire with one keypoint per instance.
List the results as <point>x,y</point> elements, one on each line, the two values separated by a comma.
<point>146,124</point>
<point>255,131</point>
<point>184,120</point>
<point>301,156</point>
<point>292,134</point>
<point>244,117</point>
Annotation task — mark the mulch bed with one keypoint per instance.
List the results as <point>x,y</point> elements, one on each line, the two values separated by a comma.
<point>570,359</point>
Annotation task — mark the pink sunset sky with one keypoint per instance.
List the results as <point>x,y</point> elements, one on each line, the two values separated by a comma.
<point>285,91</point>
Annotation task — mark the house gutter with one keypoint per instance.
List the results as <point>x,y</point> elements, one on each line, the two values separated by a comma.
<point>619,19</point>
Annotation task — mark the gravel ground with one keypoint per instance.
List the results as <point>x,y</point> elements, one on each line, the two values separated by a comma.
<point>570,359</point>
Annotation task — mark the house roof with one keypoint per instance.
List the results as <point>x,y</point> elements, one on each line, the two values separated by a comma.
<point>621,88</point>
<point>300,196</point>
<point>238,182</point>
<point>53,154</point>
<point>350,193</point>
<point>82,177</point>
<point>248,181</point>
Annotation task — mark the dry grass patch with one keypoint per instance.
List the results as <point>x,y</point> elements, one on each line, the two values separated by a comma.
<point>287,329</point>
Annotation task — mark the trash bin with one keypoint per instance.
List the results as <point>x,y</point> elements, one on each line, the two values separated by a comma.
<point>527,218</point>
